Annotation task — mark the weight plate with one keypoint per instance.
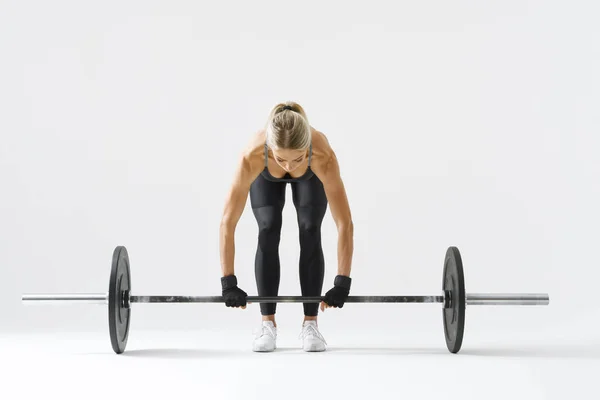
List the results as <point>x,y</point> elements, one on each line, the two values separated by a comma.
<point>118,291</point>
<point>453,285</point>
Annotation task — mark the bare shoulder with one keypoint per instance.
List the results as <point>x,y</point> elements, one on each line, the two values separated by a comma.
<point>250,161</point>
<point>324,159</point>
<point>253,153</point>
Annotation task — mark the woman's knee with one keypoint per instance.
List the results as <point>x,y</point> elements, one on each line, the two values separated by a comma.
<point>269,225</point>
<point>309,221</point>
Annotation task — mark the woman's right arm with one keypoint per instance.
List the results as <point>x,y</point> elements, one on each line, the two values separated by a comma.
<point>234,206</point>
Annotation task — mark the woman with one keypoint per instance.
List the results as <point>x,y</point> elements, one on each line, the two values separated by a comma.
<point>288,149</point>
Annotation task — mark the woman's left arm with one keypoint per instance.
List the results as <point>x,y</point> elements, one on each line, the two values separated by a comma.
<point>340,211</point>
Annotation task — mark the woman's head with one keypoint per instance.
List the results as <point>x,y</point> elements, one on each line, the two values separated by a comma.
<point>288,135</point>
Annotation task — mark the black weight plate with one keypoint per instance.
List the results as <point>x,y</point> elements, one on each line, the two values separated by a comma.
<point>454,311</point>
<point>119,312</point>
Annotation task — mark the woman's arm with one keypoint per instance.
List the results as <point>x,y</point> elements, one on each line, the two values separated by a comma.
<point>340,211</point>
<point>234,207</point>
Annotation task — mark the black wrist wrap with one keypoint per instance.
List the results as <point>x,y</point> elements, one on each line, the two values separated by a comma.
<point>342,281</point>
<point>229,281</point>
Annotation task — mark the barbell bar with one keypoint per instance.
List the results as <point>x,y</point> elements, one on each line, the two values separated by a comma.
<point>522,299</point>
<point>453,299</point>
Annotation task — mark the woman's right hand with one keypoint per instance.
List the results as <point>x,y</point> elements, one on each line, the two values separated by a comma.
<point>232,294</point>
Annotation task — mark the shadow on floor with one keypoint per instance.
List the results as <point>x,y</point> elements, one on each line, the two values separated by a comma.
<point>578,351</point>
<point>198,353</point>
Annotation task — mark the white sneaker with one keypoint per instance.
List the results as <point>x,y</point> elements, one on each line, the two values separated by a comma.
<point>312,340</point>
<point>265,339</point>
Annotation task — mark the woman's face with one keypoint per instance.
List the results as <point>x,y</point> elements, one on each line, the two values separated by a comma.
<point>289,160</point>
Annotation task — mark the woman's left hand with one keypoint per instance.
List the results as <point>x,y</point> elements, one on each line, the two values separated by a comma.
<point>335,298</point>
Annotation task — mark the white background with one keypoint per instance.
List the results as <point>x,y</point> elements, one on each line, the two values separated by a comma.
<point>464,123</point>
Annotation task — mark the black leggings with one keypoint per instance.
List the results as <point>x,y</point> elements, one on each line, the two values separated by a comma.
<point>267,199</point>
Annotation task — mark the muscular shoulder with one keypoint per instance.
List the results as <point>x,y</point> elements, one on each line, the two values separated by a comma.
<point>253,153</point>
<point>250,161</point>
<point>323,153</point>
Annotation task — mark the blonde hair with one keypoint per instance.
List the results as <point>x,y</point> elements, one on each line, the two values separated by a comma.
<point>288,128</point>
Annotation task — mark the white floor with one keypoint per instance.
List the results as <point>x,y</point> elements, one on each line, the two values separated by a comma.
<point>220,365</point>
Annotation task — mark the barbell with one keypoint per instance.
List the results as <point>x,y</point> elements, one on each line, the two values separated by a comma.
<point>453,299</point>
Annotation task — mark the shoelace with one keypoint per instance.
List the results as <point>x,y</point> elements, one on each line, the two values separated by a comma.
<point>308,330</point>
<point>265,330</point>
